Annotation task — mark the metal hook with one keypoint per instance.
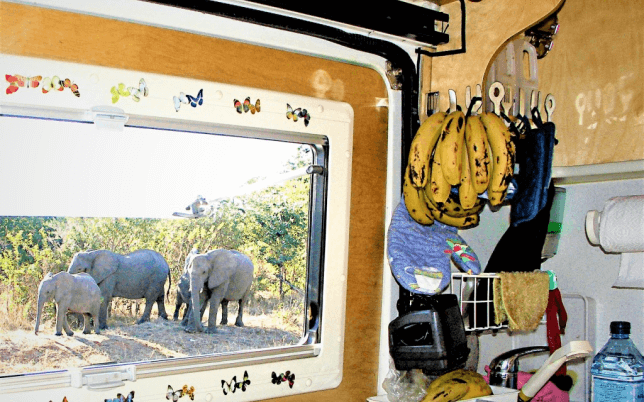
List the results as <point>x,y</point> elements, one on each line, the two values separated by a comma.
<point>496,94</point>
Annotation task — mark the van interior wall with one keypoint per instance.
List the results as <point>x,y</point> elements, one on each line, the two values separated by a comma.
<point>38,32</point>
<point>581,269</point>
<point>596,73</point>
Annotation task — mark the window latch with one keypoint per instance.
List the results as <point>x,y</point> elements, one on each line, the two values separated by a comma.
<point>109,117</point>
<point>315,169</point>
<point>106,379</point>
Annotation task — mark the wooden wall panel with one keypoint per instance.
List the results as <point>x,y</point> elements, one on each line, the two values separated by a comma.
<point>596,73</point>
<point>489,24</point>
<point>36,32</point>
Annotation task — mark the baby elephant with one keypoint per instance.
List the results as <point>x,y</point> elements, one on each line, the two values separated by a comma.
<point>76,293</point>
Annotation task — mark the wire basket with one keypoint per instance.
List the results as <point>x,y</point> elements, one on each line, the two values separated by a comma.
<point>475,300</point>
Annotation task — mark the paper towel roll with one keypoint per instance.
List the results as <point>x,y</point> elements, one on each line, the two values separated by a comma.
<point>619,228</point>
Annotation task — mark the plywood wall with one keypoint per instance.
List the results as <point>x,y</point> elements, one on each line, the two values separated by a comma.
<point>596,73</point>
<point>36,32</point>
<point>489,24</point>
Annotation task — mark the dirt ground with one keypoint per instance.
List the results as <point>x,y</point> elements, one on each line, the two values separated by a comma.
<point>22,351</point>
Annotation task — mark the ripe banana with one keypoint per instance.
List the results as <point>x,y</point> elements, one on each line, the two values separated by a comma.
<point>415,202</point>
<point>497,198</point>
<point>502,166</point>
<point>421,148</point>
<point>479,153</point>
<point>450,146</point>
<point>438,186</point>
<point>452,207</point>
<point>457,385</point>
<point>467,195</point>
<point>464,222</point>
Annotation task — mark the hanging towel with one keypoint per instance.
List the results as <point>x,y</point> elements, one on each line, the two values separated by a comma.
<point>521,299</point>
<point>534,158</point>
<point>518,250</point>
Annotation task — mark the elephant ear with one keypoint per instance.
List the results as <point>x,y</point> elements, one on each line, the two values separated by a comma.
<point>215,278</point>
<point>104,264</point>
<point>220,263</point>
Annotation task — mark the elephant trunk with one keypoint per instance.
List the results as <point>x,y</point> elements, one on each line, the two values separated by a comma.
<point>41,303</point>
<point>195,288</point>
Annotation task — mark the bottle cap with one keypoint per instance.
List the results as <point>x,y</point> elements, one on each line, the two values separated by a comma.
<point>620,327</point>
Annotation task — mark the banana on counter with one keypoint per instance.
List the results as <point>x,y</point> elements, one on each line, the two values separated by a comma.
<point>457,385</point>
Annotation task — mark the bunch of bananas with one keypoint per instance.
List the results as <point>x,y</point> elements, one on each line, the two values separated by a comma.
<point>472,154</point>
<point>457,385</point>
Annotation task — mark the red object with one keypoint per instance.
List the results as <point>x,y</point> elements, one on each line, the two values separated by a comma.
<point>556,326</point>
<point>549,392</point>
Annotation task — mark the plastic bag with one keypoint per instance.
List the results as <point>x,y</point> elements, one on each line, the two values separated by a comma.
<point>405,386</point>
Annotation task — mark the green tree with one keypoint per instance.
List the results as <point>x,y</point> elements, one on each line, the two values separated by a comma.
<point>276,226</point>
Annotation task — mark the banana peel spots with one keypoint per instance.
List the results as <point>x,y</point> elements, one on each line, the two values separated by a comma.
<point>521,299</point>
<point>457,385</point>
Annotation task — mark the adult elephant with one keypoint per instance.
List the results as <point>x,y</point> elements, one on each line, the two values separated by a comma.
<point>228,275</point>
<point>140,274</point>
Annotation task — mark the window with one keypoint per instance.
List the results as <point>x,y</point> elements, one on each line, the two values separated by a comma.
<point>189,166</point>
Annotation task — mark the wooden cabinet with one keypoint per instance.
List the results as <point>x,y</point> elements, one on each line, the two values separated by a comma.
<point>595,70</point>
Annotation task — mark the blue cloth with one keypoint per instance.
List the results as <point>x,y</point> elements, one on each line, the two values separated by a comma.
<point>419,255</point>
<point>534,157</point>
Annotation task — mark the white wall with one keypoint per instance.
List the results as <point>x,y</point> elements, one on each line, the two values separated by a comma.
<point>580,267</point>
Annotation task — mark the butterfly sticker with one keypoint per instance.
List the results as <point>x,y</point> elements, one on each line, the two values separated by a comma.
<point>231,386</point>
<point>173,395</point>
<point>19,81</point>
<point>298,113</point>
<point>242,385</point>
<point>194,101</point>
<point>56,84</point>
<point>52,84</point>
<point>278,379</point>
<point>64,399</point>
<point>139,92</point>
<point>72,87</point>
<point>189,391</point>
<point>122,398</point>
<point>247,106</point>
<point>178,100</point>
<point>119,91</point>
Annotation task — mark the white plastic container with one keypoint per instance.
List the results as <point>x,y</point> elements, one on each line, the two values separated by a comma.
<point>501,394</point>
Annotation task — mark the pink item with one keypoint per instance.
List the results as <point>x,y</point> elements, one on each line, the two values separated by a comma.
<point>549,392</point>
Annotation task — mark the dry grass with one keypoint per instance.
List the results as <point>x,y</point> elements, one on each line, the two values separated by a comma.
<point>15,316</point>
<point>268,321</point>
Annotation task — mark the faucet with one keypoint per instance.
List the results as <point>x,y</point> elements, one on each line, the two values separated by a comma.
<point>504,368</point>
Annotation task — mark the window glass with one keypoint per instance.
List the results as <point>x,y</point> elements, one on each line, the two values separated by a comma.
<point>69,188</point>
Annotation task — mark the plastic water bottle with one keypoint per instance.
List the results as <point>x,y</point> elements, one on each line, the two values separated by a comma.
<point>618,369</point>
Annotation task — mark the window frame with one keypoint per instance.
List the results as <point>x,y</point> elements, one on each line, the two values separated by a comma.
<point>331,136</point>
